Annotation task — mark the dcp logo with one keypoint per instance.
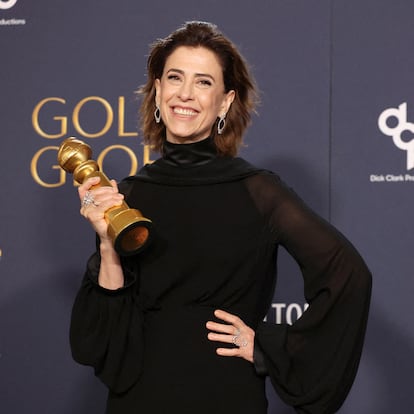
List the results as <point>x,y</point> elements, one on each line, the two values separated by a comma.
<point>7,4</point>
<point>396,132</point>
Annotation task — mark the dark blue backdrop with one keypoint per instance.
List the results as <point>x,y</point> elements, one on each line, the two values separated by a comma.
<point>327,70</point>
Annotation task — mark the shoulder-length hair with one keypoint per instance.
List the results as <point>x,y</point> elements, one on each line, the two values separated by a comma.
<point>236,77</point>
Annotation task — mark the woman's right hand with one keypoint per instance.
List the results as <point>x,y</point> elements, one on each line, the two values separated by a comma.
<point>103,198</point>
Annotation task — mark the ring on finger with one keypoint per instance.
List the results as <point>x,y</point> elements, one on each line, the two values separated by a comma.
<point>239,341</point>
<point>88,199</point>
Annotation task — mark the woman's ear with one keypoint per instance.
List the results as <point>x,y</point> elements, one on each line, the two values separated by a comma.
<point>227,101</point>
<point>157,85</point>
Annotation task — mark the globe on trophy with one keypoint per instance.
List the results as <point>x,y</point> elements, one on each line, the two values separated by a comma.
<point>127,227</point>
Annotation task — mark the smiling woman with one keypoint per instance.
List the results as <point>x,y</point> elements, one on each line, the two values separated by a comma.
<point>234,85</point>
<point>179,327</point>
<point>191,94</point>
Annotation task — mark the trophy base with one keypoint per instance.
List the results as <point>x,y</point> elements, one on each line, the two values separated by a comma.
<point>129,231</point>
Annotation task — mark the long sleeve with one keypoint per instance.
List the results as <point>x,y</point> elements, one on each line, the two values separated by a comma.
<point>106,329</point>
<point>312,364</point>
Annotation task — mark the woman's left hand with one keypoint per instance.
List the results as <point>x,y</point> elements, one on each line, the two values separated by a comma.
<point>235,332</point>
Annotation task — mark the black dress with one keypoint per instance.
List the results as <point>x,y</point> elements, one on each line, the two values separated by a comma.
<point>218,223</point>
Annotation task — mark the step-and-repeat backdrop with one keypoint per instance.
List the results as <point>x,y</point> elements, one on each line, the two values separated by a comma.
<point>336,122</point>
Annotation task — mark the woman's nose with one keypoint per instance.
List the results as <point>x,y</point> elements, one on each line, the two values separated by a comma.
<point>186,91</point>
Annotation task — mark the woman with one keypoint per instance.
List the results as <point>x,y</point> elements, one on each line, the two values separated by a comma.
<point>179,327</point>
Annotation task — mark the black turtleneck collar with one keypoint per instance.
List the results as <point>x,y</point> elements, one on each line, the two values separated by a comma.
<point>197,163</point>
<point>189,155</point>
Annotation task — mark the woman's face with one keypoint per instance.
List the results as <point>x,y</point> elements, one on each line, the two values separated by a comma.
<point>190,94</point>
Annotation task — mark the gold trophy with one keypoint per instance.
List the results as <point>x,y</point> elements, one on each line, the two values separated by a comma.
<point>128,229</point>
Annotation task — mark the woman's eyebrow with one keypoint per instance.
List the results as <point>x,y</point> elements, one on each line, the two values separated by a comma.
<point>196,74</point>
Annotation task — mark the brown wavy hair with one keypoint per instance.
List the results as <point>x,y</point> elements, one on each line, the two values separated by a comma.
<point>236,77</point>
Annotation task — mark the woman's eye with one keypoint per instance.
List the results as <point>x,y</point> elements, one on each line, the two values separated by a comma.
<point>204,82</point>
<point>174,78</point>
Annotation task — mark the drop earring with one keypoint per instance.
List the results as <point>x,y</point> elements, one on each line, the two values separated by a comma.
<point>221,124</point>
<point>157,114</point>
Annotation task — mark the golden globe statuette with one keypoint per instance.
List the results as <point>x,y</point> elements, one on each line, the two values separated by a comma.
<point>128,229</point>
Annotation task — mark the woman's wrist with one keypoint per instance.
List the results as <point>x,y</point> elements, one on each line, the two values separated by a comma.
<point>110,274</point>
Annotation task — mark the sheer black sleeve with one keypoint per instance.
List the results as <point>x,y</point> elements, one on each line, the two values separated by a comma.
<point>312,364</point>
<point>106,330</point>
